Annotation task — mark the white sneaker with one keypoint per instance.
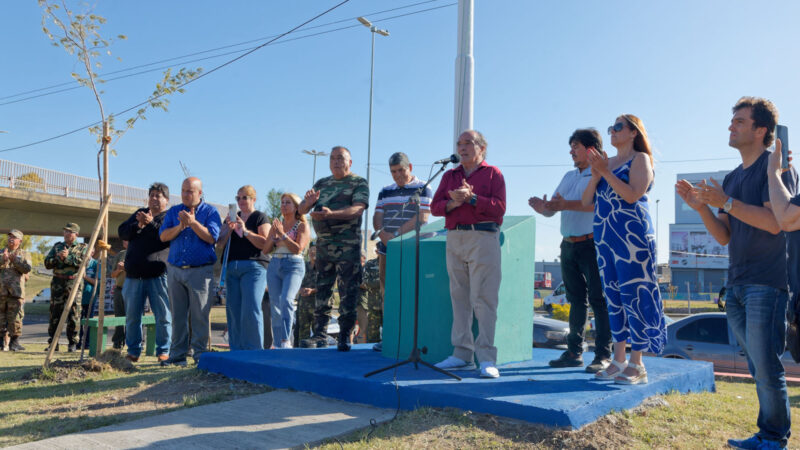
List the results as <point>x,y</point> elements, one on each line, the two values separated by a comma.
<point>286,344</point>
<point>453,363</point>
<point>488,370</point>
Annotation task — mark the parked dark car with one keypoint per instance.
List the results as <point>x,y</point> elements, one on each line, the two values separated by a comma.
<point>550,333</point>
<point>708,337</point>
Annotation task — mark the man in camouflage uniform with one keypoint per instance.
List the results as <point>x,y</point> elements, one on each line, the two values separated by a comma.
<point>65,259</point>
<point>339,202</point>
<point>14,264</point>
<point>372,300</point>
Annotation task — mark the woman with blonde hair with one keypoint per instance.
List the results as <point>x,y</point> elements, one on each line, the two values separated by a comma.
<point>626,249</point>
<point>287,240</point>
<point>246,272</point>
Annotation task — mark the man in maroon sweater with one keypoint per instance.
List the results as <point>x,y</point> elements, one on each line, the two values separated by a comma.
<point>472,198</point>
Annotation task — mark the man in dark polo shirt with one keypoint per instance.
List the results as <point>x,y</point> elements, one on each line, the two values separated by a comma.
<point>191,228</point>
<point>146,273</point>
<point>472,198</point>
<point>757,288</point>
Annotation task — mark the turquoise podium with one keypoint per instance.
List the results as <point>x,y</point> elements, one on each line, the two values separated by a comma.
<point>514,330</point>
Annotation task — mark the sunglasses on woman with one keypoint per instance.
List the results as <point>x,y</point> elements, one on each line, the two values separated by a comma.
<point>244,197</point>
<point>616,127</point>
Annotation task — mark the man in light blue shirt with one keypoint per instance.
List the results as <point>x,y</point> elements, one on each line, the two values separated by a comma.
<point>191,228</point>
<point>578,258</point>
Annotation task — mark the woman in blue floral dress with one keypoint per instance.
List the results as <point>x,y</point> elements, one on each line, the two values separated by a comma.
<point>626,249</point>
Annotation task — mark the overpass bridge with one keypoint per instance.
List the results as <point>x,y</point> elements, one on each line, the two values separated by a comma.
<point>40,201</point>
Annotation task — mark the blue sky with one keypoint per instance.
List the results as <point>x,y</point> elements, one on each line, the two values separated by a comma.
<point>542,69</point>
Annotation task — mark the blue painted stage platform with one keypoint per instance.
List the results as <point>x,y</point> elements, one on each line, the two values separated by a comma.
<point>528,390</point>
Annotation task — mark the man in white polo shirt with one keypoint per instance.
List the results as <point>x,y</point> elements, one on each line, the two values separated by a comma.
<point>578,259</point>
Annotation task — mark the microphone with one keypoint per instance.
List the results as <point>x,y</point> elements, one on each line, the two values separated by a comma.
<point>454,158</point>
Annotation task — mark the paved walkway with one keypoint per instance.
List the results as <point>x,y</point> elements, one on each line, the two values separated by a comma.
<point>277,419</point>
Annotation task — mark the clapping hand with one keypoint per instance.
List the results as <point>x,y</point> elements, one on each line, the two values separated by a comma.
<point>598,161</point>
<point>143,217</point>
<point>557,203</point>
<point>62,255</point>
<point>187,217</point>
<point>462,194</point>
<point>689,194</point>
<point>277,228</point>
<point>5,255</point>
<point>539,204</point>
<point>311,197</point>
<point>322,214</point>
<point>711,194</point>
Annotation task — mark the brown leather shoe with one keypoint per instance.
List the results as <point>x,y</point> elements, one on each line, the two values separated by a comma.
<point>131,358</point>
<point>162,357</point>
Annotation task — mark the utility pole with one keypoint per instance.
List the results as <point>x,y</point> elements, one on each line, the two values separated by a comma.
<point>465,71</point>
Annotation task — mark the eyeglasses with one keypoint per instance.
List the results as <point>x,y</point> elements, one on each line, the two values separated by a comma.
<point>469,142</point>
<point>616,127</point>
<point>338,158</point>
<point>244,197</point>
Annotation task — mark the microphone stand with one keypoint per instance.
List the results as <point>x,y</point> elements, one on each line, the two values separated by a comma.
<point>415,357</point>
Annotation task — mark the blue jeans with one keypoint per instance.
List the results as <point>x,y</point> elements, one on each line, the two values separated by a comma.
<point>284,276</point>
<point>136,291</point>
<point>245,281</point>
<point>757,317</point>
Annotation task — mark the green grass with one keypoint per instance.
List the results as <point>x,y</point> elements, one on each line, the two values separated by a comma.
<point>35,284</point>
<point>702,420</point>
<point>62,401</point>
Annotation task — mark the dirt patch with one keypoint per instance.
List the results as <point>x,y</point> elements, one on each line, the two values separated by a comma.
<point>606,432</point>
<point>61,371</point>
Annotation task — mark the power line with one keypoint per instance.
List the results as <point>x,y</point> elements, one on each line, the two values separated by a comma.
<point>674,161</point>
<point>73,85</point>
<point>225,54</point>
<point>185,83</point>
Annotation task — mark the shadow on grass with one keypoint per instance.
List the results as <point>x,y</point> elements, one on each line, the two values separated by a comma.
<point>45,389</point>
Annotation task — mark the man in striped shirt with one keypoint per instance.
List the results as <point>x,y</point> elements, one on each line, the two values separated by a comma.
<point>394,214</point>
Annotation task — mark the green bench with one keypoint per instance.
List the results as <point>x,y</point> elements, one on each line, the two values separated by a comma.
<point>108,322</point>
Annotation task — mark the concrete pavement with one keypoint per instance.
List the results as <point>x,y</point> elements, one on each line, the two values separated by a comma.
<point>277,419</point>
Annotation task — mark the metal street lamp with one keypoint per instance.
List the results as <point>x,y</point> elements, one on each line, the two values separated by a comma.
<point>373,29</point>
<point>314,153</point>
<point>657,200</point>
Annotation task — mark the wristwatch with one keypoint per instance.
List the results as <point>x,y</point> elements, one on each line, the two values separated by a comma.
<point>728,205</point>
<point>397,233</point>
<point>245,233</point>
<point>473,200</point>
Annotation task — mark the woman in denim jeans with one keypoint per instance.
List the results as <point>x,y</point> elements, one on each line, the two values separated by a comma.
<point>287,240</point>
<point>246,273</point>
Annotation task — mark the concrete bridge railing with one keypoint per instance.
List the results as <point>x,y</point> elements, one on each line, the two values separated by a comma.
<point>36,179</point>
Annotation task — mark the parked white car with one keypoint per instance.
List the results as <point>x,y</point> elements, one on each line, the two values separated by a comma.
<point>42,297</point>
<point>557,297</point>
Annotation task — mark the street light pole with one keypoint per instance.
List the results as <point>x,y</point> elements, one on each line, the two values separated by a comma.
<point>314,153</point>
<point>657,200</point>
<point>373,29</point>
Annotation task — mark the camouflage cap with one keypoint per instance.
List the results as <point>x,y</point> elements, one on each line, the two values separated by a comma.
<point>16,233</point>
<point>73,227</point>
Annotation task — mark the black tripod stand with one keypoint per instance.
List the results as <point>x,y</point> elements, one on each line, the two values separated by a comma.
<point>415,357</point>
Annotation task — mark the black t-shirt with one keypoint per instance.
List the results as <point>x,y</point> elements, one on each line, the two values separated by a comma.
<point>241,248</point>
<point>147,255</point>
<point>756,256</point>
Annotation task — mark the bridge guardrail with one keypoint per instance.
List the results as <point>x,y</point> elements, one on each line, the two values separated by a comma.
<point>36,179</point>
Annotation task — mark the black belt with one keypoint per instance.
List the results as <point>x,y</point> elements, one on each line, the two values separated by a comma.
<point>485,226</point>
